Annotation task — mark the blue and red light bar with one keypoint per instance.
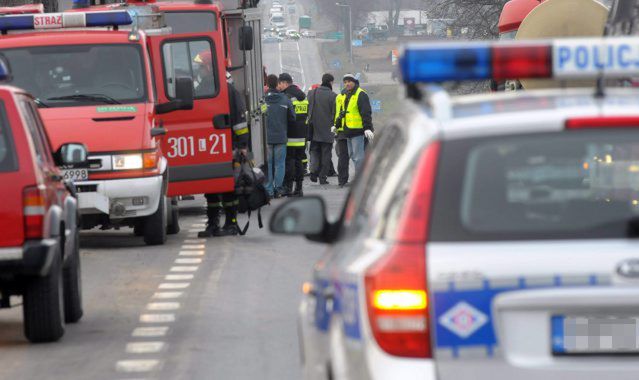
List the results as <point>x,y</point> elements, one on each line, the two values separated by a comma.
<point>64,20</point>
<point>577,58</point>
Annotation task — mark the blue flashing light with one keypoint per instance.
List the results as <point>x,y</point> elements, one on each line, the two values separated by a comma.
<point>108,18</point>
<point>446,62</point>
<point>22,22</point>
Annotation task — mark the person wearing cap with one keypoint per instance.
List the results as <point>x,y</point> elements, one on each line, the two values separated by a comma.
<point>321,116</point>
<point>228,202</point>
<point>353,123</point>
<point>297,132</point>
<point>204,83</point>
<point>280,115</point>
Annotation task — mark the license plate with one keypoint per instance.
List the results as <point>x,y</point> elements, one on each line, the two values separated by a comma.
<point>592,335</point>
<point>75,174</point>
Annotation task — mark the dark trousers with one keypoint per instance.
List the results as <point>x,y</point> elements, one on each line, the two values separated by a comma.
<point>215,203</point>
<point>321,159</point>
<point>342,161</point>
<point>295,159</point>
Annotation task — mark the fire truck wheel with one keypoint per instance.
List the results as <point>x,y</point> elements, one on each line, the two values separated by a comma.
<point>44,305</point>
<point>155,225</point>
<point>174,218</point>
<point>72,276</point>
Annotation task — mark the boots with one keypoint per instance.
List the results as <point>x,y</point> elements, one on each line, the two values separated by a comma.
<point>230,224</point>
<point>298,190</point>
<point>213,223</point>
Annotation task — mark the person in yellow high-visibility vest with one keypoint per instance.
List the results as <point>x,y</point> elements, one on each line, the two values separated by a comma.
<point>353,125</point>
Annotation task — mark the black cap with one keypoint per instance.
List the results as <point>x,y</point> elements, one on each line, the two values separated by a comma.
<point>286,77</point>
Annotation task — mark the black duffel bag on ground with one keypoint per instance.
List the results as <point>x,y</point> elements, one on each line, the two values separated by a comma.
<point>250,190</point>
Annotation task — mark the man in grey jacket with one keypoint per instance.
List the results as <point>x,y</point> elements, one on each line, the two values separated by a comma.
<point>279,115</point>
<point>321,115</point>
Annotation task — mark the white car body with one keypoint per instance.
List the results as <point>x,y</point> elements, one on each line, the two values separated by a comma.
<point>491,304</point>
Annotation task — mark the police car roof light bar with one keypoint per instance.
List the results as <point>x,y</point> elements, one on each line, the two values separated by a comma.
<point>65,20</point>
<point>576,58</point>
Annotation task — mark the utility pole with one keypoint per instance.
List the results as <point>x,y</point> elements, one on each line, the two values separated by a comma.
<point>348,29</point>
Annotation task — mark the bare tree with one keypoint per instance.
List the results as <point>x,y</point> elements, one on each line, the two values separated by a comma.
<point>478,18</point>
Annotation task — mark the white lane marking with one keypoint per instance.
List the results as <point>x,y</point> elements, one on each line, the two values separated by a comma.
<point>188,261</point>
<point>281,65</point>
<point>174,285</point>
<point>193,246</point>
<point>198,225</point>
<point>178,277</point>
<point>192,230</point>
<point>157,318</point>
<point>191,236</point>
<point>167,295</point>
<point>144,347</point>
<point>148,332</point>
<point>163,306</point>
<point>194,241</point>
<point>147,365</point>
<point>191,253</point>
<point>183,269</point>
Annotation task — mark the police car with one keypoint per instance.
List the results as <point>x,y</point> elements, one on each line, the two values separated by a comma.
<point>488,236</point>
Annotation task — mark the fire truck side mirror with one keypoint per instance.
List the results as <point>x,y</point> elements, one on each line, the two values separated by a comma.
<point>183,97</point>
<point>246,38</point>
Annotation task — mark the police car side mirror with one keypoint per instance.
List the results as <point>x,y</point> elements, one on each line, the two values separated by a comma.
<point>300,216</point>
<point>71,154</point>
<point>183,97</point>
<point>246,38</point>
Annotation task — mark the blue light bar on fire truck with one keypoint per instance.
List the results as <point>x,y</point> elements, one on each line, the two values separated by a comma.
<point>575,58</point>
<point>64,20</point>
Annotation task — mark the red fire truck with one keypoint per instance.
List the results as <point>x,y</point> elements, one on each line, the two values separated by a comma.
<point>513,13</point>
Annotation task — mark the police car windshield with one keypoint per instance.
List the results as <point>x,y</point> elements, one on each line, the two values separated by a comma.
<point>8,161</point>
<point>72,75</point>
<point>573,185</point>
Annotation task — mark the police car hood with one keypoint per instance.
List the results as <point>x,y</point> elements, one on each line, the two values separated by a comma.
<point>101,128</point>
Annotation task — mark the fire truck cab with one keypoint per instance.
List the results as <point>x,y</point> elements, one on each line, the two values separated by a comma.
<point>105,88</point>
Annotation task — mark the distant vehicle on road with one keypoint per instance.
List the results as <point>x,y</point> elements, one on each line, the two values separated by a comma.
<point>39,244</point>
<point>308,33</point>
<point>292,34</point>
<point>278,20</point>
<point>270,38</point>
<point>490,236</point>
<point>305,22</point>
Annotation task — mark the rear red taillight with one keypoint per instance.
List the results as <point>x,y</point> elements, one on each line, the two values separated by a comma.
<point>34,207</point>
<point>397,297</point>
<point>603,122</point>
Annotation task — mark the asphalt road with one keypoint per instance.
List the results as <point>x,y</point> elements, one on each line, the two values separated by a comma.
<point>222,308</point>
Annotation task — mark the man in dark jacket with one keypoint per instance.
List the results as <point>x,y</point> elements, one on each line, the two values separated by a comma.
<point>296,134</point>
<point>321,117</point>
<point>353,121</point>
<point>280,115</point>
<point>228,202</point>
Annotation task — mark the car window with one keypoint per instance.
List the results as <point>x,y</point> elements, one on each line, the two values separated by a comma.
<point>8,158</point>
<point>72,75</point>
<point>194,59</point>
<point>191,22</point>
<point>582,184</point>
<point>40,145</point>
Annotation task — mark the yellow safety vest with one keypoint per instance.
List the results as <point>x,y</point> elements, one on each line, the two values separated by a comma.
<point>301,107</point>
<point>353,119</point>
<point>301,110</point>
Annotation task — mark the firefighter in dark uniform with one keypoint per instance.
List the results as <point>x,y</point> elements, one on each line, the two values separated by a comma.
<point>227,202</point>
<point>296,158</point>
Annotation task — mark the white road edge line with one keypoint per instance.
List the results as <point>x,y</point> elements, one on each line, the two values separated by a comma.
<point>184,269</point>
<point>157,318</point>
<point>178,277</point>
<point>163,306</point>
<point>144,347</point>
<point>167,295</point>
<point>136,366</point>
<point>188,261</point>
<point>174,285</point>
<point>148,332</point>
<point>191,253</point>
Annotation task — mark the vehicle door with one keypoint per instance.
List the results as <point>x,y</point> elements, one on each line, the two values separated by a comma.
<point>199,154</point>
<point>532,258</point>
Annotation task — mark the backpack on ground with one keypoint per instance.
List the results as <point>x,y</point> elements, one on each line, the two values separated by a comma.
<point>250,190</point>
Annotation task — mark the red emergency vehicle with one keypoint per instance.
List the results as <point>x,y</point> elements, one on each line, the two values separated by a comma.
<point>39,255</point>
<point>513,13</point>
<point>99,87</point>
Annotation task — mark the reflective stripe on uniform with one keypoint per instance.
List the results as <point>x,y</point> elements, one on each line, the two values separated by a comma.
<point>240,128</point>
<point>296,142</point>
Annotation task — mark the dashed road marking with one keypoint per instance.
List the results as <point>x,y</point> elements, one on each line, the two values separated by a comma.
<point>198,225</point>
<point>188,261</point>
<point>174,285</point>
<point>192,235</point>
<point>194,230</point>
<point>148,332</point>
<point>157,318</point>
<point>194,241</point>
<point>147,365</point>
<point>144,347</point>
<point>167,295</point>
<point>193,246</point>
<point>184,269</point>
<point>163,306</point>
<point>191,253</point>
<point>178,277</point>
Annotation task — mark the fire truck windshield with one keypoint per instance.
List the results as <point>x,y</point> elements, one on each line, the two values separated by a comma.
<point>191,22</point>
<point>72,75</point>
